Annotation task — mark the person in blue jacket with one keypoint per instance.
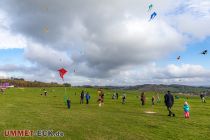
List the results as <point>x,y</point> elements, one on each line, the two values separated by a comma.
<point>87,96</point>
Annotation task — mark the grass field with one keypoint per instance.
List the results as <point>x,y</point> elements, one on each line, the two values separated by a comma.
<point>26,109</point>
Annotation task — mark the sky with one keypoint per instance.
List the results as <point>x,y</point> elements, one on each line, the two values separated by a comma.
<point>106,42</point>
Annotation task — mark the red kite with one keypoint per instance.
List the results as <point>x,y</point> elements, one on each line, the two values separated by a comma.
<point>62,72</point>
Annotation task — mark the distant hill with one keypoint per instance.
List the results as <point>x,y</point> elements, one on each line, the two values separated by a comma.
<point>172,88</point>
<point>160,88</point>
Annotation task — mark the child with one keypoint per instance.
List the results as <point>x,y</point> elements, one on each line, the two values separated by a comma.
<point>186,110</point>
<point>203,99</point>
<point>99,98</point>
<point>45,92</point>
<point>123,98</point>
<point>68,103</point>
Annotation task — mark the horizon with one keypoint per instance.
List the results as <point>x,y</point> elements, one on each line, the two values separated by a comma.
<point>106,43</point>
<point>206,86</point>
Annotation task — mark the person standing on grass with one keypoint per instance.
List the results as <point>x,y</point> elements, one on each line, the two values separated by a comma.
<point>123,99</point>
<point>153,100</point>
<point>117,96</point>
<point>82,97</point>
<point>100,97</point>
<point>169,101</point>
<point>113,96</point>
<point>45,92</point>
<point>87,96</point>
<point>143,99</point>
<point>202,98</point>
<point>68,103</point>
<point>186,110</point>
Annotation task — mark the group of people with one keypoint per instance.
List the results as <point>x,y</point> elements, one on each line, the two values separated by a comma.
<point>154,98</point>
<point>45,92</point>
<point>84,95</point>
<point>116,95</point>
<point>168,99</point>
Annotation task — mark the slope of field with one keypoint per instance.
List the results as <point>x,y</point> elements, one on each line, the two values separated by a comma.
<point>25,108</point>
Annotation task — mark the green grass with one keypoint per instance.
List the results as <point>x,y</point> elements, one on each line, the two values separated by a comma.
<point>27,109</point>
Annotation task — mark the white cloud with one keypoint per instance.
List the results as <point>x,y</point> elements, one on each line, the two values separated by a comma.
<point>114,37</point>
<point>187,70</point>
<point>47,57</point>
<point>7,39</point>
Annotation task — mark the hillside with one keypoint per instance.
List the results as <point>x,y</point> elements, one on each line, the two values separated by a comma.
<point>161,88</point>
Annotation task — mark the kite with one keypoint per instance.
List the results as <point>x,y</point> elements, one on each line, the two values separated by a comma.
<point>204,52</point>
<point>178,58</point>
<point>62,72</point>
<point>153,15</point>
<point>150,7</point>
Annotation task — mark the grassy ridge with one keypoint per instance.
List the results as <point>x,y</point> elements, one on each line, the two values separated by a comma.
<point>27,109</point>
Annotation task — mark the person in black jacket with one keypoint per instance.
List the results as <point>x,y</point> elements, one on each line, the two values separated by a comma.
<point>169,101</point>
<point>82,97</point>
<point>68,103</point>
<point>143,99</point>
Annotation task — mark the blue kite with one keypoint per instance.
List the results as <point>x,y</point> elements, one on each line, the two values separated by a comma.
<point>153,15</point>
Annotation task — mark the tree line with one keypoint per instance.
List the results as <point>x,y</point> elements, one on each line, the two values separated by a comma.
<point>20,82</point>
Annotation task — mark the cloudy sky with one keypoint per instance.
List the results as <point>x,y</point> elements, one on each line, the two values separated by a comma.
<point>106,42</point>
